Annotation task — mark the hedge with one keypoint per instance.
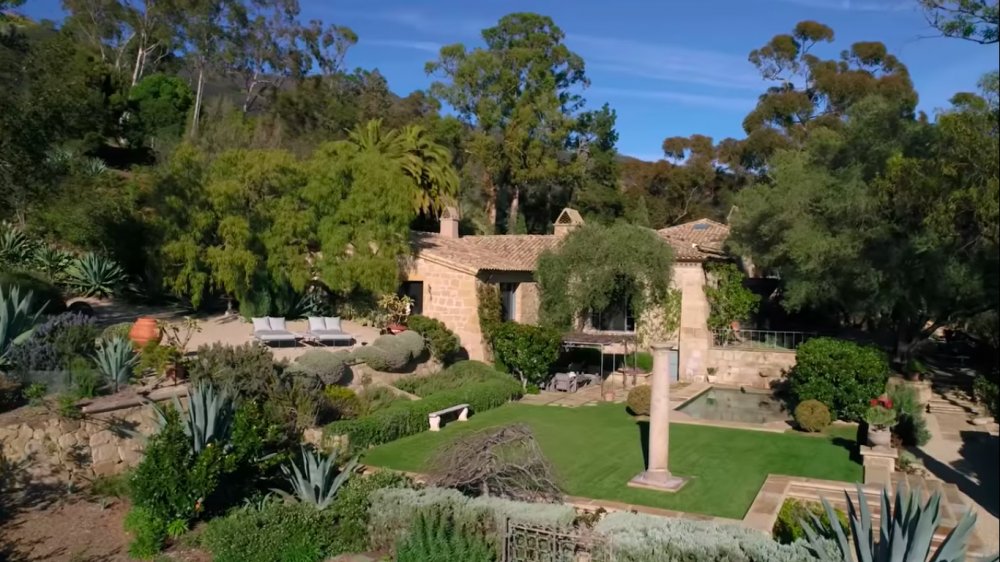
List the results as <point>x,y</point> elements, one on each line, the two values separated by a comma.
<point>839,373</point>
<point>455,376</point>
<point>409,417</point>
<point>442,342</point>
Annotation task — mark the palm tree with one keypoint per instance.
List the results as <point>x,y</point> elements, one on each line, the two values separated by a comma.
<point>418,156</point>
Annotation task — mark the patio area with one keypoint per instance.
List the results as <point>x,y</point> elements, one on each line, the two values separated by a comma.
<point>590,395</point>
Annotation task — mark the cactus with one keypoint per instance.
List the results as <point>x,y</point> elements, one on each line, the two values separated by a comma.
<point>115,359</point>
<point>16,319</point>
<point>905,533</point>
<point>318,481</point>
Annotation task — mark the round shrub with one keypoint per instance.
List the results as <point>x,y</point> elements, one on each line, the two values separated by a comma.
<point>839,373</point>
<point>119,330</point>
<point>328,367</point>
<point>41,290</point>
<point>812,416</point>
<point>412,341</point>
<point>788,527</point>
<point>344,403</point>
<point>442,342</point>
<point>386,353</point>
<point>639,399</point>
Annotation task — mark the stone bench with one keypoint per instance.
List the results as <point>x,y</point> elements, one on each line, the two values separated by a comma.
<point>435,417</point>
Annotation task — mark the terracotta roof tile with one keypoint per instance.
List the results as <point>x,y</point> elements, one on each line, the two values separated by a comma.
<point>696,240</point>
<point>517,252</point>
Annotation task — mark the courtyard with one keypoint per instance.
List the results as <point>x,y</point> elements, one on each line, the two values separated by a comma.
<point>596,449</point>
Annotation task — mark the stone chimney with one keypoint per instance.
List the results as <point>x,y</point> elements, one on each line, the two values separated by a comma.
<point>568,221</point>
<point>449,222</point>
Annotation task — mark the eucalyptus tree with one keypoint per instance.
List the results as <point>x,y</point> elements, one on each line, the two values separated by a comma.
<point>519,94</point>
<point>972,20</point>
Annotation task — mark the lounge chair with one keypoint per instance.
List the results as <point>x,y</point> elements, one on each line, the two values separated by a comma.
<point>328,329</point>
<point>272,330</point>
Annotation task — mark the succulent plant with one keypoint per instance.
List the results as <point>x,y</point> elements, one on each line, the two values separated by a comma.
<point>53,262</point>
<point>17,318</point>
<point>318,481</point>
<point>905,534</point>
<point>209,416</point>
<point>94,275</point>
<point>115,358</point>
<point>16,248</point>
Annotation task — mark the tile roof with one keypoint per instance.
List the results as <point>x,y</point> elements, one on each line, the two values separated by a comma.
<point>520,252</point>
<point>515,252</point>
<point>696,240</point>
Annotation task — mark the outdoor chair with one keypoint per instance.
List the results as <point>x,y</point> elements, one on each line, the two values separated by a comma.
<point>563,382</point>
<point>328,330</point>
<point>270,330</point>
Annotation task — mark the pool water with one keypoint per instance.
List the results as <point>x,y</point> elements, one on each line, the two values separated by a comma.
<point>736,405</point>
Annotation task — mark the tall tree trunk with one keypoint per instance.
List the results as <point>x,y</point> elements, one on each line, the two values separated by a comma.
<point>512,214</point>
<point>197,102</point>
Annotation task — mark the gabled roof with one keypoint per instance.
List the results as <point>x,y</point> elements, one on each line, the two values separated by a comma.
<point>696,240</point>
<point>472,254</point>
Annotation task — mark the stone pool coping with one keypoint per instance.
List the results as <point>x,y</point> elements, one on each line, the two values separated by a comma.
<point>696,390</point>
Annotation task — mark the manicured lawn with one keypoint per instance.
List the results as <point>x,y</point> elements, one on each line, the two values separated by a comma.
<point>597,449</point>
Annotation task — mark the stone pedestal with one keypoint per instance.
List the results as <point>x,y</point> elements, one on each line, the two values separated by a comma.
<point>657,474</point>
<point>879,463</point>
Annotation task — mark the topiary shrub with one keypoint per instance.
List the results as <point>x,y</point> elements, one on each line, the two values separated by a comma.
<point>412,341</point>
<point>639,399</point>
<point>812,416</point>
<point>788,526</point>
<point>839,373</point>
<point>327,367</point>
<point>442,342</point>
<point>41,290</point>
<point>386,353</point>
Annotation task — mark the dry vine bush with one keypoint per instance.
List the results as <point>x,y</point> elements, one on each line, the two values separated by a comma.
<point>502,462</point>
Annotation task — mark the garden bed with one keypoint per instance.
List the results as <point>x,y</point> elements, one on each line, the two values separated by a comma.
<point>596,450</point>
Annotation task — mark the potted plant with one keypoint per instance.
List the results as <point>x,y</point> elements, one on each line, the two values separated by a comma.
<point>178,336</point>
<point>394,310</point>
<point>881,417</point>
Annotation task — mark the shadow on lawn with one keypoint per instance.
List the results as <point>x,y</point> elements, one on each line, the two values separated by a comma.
<point>644,440</point>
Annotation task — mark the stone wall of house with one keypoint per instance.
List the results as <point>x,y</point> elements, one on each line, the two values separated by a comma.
<point>694,337</point>
<point>526,300</point>
<point>749,367</point>
<point>450,296</point>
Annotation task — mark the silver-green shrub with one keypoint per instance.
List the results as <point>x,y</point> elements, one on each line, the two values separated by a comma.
<point>325,366</point>
<point>634,537</point>
<point>412,341</point>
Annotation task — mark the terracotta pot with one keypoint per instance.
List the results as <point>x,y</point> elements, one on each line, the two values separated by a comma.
<point>879,437</point>
<point>144,331</point>
<point>395,328</point>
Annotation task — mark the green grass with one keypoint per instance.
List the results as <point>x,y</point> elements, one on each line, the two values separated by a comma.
<point>597,449</point>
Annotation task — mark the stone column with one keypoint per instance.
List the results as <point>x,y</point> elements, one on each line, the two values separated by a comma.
<point>657,474</point>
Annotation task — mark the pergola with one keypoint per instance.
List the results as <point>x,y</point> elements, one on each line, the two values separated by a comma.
<point>609,343</point>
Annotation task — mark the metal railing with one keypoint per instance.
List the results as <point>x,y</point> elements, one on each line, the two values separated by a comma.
<point>759,339</point>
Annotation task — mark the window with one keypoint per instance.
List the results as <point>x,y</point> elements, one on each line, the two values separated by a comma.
<point>508,301</point>
<point>617,317</point>
<point>414,290</point>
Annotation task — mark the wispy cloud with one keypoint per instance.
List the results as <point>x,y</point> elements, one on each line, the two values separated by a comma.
<point>727,103</point>
<point>854,5</point>
<point>416,20</point>
<point>425,46</point>
<point>666,62</point>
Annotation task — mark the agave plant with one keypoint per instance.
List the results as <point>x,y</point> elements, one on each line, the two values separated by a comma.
<point>17,319</point>
<point>16,248</point>
<point>53,262</point>
<point>115,359</point>
<point>905,532</point>
<point>318,481</point>
<point>209,416</point>
<point>94,275</point>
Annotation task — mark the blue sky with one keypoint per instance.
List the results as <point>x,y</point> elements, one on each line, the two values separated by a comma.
<point>669,67</point>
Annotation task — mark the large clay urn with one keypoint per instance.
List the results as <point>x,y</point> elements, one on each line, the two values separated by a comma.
<point>144,331</point>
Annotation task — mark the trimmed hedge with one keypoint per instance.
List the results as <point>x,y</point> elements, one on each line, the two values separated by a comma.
<point>839,373</point>
<point>328,367</point>
<point>409,417</point>
<point>442,342</point>
<point>390,353</point>
<point>455,376</point>
<point>812,416</point>
<point>412,341</point>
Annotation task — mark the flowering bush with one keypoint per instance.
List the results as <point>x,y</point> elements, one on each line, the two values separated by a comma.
<point>880,414</point>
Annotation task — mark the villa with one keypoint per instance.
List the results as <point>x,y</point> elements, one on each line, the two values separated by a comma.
<point>447,267</point>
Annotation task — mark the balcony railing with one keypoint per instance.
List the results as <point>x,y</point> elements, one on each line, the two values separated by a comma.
<point>759,339</point>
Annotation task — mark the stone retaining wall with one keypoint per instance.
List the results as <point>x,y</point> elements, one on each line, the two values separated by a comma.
<point>749,367</point>
<point>107,440</point>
